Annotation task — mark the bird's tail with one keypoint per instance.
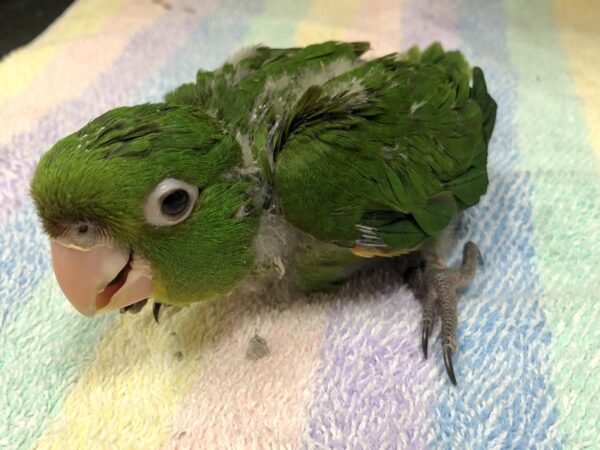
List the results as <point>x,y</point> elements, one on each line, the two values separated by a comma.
<point>455,65</point>
<point>453,62</point>
<point>487,104</point>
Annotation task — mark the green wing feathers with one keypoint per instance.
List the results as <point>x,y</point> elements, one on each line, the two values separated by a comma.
<point>379,153</point>
<point>233,90</point>
<point>405,151</point>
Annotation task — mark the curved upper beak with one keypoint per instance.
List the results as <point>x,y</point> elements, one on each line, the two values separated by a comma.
<point>102,278</point>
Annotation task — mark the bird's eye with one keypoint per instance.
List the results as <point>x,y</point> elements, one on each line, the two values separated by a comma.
<point>82,234</point>
<point>170,202</point>
<point>175,203</point>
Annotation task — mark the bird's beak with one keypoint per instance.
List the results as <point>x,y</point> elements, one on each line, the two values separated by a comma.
<point>101,278</point>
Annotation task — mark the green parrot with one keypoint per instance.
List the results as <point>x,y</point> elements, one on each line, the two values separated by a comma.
<point>301,164</point>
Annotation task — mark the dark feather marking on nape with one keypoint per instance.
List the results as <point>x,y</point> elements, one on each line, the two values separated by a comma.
<point>127,135</point>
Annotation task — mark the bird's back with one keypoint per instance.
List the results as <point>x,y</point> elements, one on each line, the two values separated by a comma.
<point>374,155</point>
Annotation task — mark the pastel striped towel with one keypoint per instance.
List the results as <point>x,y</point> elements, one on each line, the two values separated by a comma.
<point>345,371</point>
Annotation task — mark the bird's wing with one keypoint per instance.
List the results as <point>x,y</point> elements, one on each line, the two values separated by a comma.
<point>382,157</point>
<point>240,86</point>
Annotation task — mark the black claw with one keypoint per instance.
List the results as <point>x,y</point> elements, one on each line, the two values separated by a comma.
<point>425,333</point>
<point>135,308</point>
<point>480,258</point>
<point>448,363</point>
<point>156,310</point>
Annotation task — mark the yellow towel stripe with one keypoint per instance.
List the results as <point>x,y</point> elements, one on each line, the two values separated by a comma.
<point>326,20</point>
<point>84,18</point>
<point>136,383</point>
<point>274,26</point>
<point>71,70</point>
<point>578,23</point>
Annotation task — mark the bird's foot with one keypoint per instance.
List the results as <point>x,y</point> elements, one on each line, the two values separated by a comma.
<point>137,307</point>
<point>436,284</point>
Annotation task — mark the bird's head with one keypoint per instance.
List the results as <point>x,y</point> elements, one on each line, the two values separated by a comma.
<point>141,203</point>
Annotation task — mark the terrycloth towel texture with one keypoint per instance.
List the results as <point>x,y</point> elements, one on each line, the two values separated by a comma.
<point>344,371</point>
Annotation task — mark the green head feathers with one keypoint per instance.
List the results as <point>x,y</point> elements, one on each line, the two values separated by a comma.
<point>112,173</point>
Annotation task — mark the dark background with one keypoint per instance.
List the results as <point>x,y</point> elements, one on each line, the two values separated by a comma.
<point>22,20</point>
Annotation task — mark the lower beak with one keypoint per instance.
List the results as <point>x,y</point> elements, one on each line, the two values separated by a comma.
<point>102,278</point>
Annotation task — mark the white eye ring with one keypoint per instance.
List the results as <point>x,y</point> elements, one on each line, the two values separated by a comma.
<point>170,202</point>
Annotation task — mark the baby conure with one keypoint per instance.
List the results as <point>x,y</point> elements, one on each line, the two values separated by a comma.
<point>299,163</point>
